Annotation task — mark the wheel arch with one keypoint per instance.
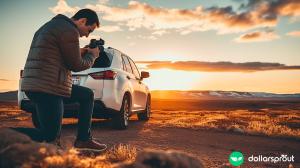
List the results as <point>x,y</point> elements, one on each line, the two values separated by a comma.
<point>149,95</point>
<point>127,93</point>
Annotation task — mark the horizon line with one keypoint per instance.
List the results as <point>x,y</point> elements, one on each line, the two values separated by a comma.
<point>200,91</point>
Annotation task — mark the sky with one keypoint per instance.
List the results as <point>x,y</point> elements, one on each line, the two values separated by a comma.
<point>240,45</point>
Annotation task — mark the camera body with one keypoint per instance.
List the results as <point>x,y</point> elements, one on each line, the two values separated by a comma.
<point>97,43</point>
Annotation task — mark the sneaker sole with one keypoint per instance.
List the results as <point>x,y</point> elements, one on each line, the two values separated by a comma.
<point>90,150</point>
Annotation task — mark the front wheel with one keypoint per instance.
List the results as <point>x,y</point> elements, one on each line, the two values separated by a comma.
<point>145,115</point>
<point>120,120</point>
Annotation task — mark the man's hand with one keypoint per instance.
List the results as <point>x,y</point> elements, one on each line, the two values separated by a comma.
<point>83,51</point>
<point>94,51</point>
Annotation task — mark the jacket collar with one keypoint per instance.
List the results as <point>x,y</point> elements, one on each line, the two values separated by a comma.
<point>60,16</point>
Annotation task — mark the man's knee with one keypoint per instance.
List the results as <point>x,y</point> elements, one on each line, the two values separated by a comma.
<point>82,94</point>
<point>86,95</point>
<point>89,94</point>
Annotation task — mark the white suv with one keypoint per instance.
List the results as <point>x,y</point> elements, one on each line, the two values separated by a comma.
<point>118,90</point>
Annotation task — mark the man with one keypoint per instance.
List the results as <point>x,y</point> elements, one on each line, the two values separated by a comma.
<point>53,54</point>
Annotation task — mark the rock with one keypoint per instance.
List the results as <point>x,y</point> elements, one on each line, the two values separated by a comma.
<point>32,153</point>
<point>236,129</point>
<point>9,137</point>
<point>162,159</point>
<point>17,149</point>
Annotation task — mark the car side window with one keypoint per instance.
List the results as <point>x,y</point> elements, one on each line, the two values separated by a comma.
<point>123,64</point>
<point>135,69</point>
<point>127,64</point>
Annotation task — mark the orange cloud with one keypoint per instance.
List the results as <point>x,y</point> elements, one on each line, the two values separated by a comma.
<point>257,37</point>
<point>294,33</point>
<point>288,7</point>
<point>63,8</point>
<point>217,66</point>
<point>255,14</point>
<point>274,8</point>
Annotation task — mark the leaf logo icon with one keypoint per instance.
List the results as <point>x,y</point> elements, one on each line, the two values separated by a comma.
<point>234,158</point>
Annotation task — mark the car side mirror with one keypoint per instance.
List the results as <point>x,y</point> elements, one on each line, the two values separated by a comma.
<point>144,75</point>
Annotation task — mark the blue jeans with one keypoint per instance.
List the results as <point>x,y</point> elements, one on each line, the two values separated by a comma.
<point>50,110</point>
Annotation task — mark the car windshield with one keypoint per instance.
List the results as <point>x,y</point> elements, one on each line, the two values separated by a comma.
<point>103,61</point>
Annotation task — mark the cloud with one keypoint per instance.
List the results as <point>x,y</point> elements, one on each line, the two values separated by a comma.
<point>159,32</point>
<point>217,66</point>
<point>109,28</point>
<point>63,8</point>
<point>254,14</point>
<point>87,39</point>
<point>273,8</point>
<point>257,36</point>
<point>103,1</point>
<point>294,33</point>
<point>147,37</point>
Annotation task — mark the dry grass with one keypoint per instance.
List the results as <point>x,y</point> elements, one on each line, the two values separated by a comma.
<point>120,156</point>
<point>121,153</point>
<point>73,159</point>
<point>271,123</point>
<point>271,118</point>
<point>12,113</point>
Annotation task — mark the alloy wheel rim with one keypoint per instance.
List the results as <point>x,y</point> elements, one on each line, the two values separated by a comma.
<point>126,112</point>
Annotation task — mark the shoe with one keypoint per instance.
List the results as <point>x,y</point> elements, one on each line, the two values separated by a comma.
<point>89,145</point>
<point>56,143</point>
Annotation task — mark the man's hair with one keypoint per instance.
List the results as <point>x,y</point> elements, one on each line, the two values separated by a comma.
<point>89,14</point>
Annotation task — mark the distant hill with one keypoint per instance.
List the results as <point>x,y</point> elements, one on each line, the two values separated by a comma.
<point>175,94</point>
<point>9,96</point>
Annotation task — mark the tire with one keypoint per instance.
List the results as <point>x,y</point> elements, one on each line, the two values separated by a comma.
<point>120,120</point>
<point>35,120</point>
<point>145,115</point>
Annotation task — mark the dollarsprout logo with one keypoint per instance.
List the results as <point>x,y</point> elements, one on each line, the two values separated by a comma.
<point>236,158</point>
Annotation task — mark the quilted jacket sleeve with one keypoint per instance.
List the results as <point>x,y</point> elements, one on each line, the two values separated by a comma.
<point>70,49</point>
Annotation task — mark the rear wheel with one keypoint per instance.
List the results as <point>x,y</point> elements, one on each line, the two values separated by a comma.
<point>145,115</point>
<point>35,120</point>
<point>120,120</point>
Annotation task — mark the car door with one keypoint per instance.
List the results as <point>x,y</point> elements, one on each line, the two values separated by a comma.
<point>141,90</point>
<point>132,82</point>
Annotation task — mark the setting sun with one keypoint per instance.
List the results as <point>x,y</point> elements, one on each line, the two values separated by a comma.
<point>166,79</point>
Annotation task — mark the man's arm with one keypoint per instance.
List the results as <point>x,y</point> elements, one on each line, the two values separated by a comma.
<point>83,51</point>
<point>69,46</point>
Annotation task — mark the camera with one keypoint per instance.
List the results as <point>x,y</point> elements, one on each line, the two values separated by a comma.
<point>97,43</point>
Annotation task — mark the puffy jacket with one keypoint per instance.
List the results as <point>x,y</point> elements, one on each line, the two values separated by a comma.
<point>53,54</point>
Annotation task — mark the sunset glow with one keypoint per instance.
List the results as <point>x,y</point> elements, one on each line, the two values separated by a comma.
<point>165,79</point>
<point>268,81</point>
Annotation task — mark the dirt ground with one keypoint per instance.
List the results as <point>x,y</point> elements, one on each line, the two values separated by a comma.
<point>212,145</point>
